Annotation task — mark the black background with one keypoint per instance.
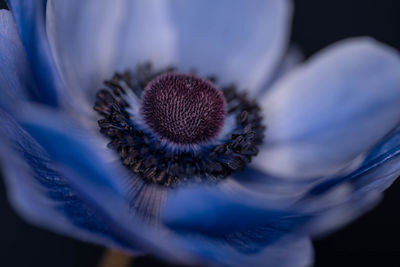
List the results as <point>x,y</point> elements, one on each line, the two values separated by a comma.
<point>373,240</point>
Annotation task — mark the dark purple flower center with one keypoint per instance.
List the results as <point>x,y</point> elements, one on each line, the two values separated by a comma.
<point>183,108</point>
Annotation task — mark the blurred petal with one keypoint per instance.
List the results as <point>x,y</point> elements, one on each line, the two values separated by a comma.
<point>257,224</point>
<point>382,166</point>
<point>40,194</point>
<point>239,41</point>
<point>262,246</point>
<point>336,208</point>
<point>326,114</point>
<point>378,171</point>
<point>90,183</point>
<point>273,188</point>
<point>233,228</point>
<point>100,192</point>
<point>258,247</point>
<point>30,19</point>
<point>15,77</point>
<point>293,57</point>
<point>208,210</point>
<point>91,40</point>
<point>66,142</point>
<point>288,252</point>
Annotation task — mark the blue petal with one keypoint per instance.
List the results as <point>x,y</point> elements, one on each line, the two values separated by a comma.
<point>65,149</point>
<point>292,59</point>
<point>93,39</point>
<point>97,187</point>
<point>15,77</point>
<point>231,230</point>
<point>208,210</point>
<point>324,117</point>
<point>40,194</point>
<point>381,167</point>
<point>249,224</point>
<point>378,171</point>
<point>262,246</point>
<point>238,41</point>
<point>337,208</point>
<point>30,19</point>
<point>288,252</point>
<point>88,192</point>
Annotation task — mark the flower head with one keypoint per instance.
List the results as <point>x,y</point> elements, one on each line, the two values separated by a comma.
<point>212,154</point>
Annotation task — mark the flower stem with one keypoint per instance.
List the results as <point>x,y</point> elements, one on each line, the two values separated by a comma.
<point>114,258</point>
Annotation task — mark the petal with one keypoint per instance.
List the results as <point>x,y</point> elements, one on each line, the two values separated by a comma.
<point>325,115</point>
<point>292,59</point>
<point>333,215</point>
<point>263,246</point>
<point>91,40</point>
<point>238,41</point>
<point>273,188</point>
<point>227,213</point>
<point>289,252</point>
<point>40,194</point>
<point>382,166</point>
<point>30,19</point>
<point>379,170</point>
<point>106,201</point>
<point>208,210</point>
<point>15,77</point>
<point>83,184</point>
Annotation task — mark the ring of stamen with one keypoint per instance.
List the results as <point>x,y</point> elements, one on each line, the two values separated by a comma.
<point>147,158</point>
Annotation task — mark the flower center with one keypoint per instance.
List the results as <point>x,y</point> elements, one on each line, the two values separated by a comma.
<point>183,108</point>
<point>145,111</point>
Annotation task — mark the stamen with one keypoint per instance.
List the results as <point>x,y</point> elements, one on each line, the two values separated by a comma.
<point>148,158</point>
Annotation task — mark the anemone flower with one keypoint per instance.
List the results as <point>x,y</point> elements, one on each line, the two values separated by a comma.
<point>189,130</point>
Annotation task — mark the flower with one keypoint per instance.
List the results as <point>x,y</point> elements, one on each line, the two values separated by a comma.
<point>329,150</point>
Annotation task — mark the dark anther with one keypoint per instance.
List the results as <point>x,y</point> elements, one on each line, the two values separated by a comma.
<point>144,155</point>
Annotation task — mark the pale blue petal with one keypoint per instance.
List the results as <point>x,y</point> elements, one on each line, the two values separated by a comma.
<point>88,180</point>
<point>64,148</point>
<point>41,195</point>
<point>239,41</point>
<point>292,59</point>
<point>262,245</point>
<point>334,212</point>
<point>93,39</point>
<point>325,115</point>
<point>380,168</point>
<point>258,248</point>
<point>30,19</point>
<point>208,210</point>
<point>15,77</point>
<point>291,251</point>
<point>273,188</point>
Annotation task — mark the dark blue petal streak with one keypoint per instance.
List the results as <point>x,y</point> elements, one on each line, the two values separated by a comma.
<point>30,19</point>
<point>31,187</point>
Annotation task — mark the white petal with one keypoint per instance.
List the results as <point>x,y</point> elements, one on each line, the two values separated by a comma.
<point>93,39</point>
<point>238,40</point>
<point>327,113</point>
<point>292,59</point>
